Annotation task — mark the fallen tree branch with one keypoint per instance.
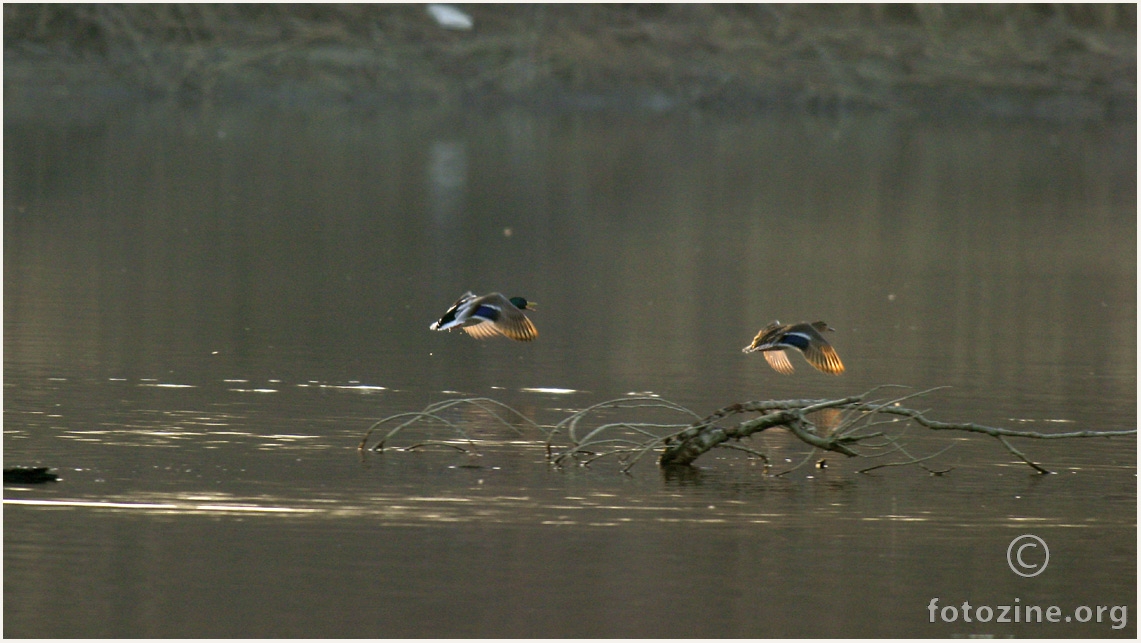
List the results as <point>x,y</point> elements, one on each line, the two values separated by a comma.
<point>853,426</point>
<point>432,413</point>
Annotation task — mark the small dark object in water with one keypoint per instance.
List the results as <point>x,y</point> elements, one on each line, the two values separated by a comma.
<point>28,475</point>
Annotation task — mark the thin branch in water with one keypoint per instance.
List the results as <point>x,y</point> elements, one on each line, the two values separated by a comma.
<point>894,402</point>
<point>1022,456</point>
<point>903,398</point>
<point>636,427</point>
<point>650,446</point>
<point>811,455</point>
<point>861,419</point>
<point>852,426</point>
<point>432,412</point>
<point>419,415</point>
<point>436,443</point>
<point>616,452</point>
<point>479,401</point>
<point>586,448</point>
<point>738,447</point>
<point>913,460</point>
<point>570,424</point>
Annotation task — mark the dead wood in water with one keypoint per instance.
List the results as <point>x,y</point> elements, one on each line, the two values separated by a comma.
<point>855,433</point>
<point>855,426</point>
<point>432,413</point>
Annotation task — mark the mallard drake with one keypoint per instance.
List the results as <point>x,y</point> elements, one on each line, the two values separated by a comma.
<point>488,316</point>
<point>805,337</point>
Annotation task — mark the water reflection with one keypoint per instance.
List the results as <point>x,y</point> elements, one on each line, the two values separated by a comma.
<point>200,327</point>
<point>321,257</point>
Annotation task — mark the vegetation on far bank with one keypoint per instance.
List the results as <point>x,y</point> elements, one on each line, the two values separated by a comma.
<point>1068,61</point>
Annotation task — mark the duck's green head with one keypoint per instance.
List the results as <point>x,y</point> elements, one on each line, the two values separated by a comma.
<point>522,304</point>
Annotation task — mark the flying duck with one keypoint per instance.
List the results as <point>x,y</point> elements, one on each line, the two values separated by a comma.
<point>489,315</point>
<point>805,337</point>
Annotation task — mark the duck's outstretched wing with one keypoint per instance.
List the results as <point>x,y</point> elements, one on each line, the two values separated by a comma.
<point>499,316</point>
<point>482,330</point>
<point>518,327</point>
<point>779,361</point>
<point>455,315</point>
<point>819,352</point>
<point>824,358</point>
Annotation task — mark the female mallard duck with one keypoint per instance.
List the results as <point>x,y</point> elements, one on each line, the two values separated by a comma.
<point>804,337</point>
<point>488,316</point>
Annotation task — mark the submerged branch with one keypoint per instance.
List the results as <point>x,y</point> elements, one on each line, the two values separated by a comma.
<point>913,460</point>
<point>1021,455</point>
<point>854,426</point>
<point>432,413</point>
<point>704,435</point>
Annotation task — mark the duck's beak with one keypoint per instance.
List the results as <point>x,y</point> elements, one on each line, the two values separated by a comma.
<point>532,305</point>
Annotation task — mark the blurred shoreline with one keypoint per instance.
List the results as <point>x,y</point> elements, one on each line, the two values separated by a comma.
<point>1059,62</point>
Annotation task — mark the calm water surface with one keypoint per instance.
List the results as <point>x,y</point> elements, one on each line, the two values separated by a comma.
<point>203,313</point>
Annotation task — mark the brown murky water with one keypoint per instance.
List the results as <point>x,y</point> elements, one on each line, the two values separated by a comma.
<point>203,312</point>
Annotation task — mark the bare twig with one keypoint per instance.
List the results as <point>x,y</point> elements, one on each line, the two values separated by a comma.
<point>913,460</point>
<point>431,412</point>
<point>681,444</point>
<point>1021,455</point>
<point>436,443</point>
